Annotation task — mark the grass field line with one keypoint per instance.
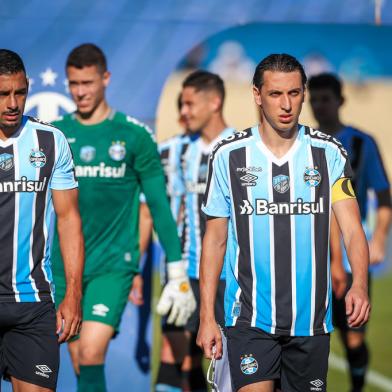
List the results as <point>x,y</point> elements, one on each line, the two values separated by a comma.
<point>373,377</point>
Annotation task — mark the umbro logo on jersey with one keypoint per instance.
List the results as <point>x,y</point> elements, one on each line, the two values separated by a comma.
<point>6,161</point>
<point>248,180</point>
<point>43,370</point>
<point>317,384</point>
<point>100,310</point>
<point>299,207</point>
<point>281,183</point>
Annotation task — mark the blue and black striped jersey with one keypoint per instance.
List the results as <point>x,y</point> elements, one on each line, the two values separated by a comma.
<point>368,172</point>
<point>194,163</point>
<point>33,161</point>
<point>277,257</point>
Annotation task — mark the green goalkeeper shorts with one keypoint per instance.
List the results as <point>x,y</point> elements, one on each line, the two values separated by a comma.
<point>104,296</point>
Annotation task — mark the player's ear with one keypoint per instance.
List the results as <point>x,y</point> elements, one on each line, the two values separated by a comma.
<point>106,78</point>
<point>256,95</point>
<point>304,95</point>
<point>341,101</point>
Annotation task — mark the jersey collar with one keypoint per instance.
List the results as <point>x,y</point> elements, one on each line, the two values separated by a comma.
<point>16,135</point>
<point>265,150</point>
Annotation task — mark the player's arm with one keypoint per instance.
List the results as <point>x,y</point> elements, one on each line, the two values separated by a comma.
<point>378,242</point>
<point>145,232</point>
<point>69,229</point>
<point>212,256</point>
<point>376,179</point>
<point>338,274</point>
<point>177,296</point>
<point>345,208</point>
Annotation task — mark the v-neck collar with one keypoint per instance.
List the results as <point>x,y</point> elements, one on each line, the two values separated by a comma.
<point>16,135</point>
<point>265,150</point>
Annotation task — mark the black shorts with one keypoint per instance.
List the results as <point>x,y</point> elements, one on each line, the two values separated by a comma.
<point>29,350</point>
<point>193,322</point>
<point>297,363</point>
<point>339,309</point>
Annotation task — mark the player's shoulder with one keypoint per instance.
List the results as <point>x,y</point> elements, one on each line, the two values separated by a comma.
<point>131,123</point>
<point>321,139</point>
<point>351,132</point>
<point>235,140</point>
<point>40,125</point>
<point>175,140</point>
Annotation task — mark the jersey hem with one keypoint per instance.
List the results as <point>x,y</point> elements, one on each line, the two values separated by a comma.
<point>42,298</point>
<point>283,332</point>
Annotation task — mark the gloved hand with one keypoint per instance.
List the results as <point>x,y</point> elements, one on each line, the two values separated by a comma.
<point>177,295</point>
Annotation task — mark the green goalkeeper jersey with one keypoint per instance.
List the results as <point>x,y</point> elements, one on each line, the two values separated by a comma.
<point>114,161</point>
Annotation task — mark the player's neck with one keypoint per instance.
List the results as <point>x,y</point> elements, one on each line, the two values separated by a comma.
<point>7,132</point>
<point>279,143</point>
<point>213,129</point>
<point>99,114</point>
<point>331,127</point>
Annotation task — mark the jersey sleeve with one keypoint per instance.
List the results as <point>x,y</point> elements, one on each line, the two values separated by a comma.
<point>63,176</point>
<point>339,163</point>
<point>216,200</point>
<point>147,162</point>
<point>375,172</point>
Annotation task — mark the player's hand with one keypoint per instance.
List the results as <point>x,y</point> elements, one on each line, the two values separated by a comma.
<point>69,317</point>
<point>136,294</point>
<point>209,336</point>
<point>376,250</point>
<point>339,279</point>
<point>357,306</point>
<point>177,296</point>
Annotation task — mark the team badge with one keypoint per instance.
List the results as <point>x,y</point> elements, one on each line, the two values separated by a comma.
<point>6,161</point>
<point>87,153</point>
<point>249,365</point>
<point>281,183</point>
<point>117,151</point>
<point>312,177</point>
<point>37,158</point>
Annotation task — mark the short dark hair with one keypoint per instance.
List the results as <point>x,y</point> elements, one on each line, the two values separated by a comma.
<point>10,62</point>
<point>86,55</point>
<point>205,81</point>
<point>326,80</point>
<point>282,62</point>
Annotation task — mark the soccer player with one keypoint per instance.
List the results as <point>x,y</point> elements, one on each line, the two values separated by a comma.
<point>326,99</point>
<point>115,158</point>
<point>274,225</point>
<point>36,181</point>
<point>202,99</point>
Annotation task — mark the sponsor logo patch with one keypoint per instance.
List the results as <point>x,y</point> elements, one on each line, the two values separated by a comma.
<point>87,153</point>
<point>248,180</point>
<point>6,161</point>
<point>249,169</point>
<point>316,385</point>
<point>100,310</point>
<point>37,158</point>
<point>299,207</point>
<point>249,365</point>
<point>281,183</point>
<point>236,311</point>
<point>117,150</point>
<point>43,370</point>
<point>312,177</point>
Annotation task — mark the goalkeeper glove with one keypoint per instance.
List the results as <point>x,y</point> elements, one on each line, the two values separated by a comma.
<point>177,295</point>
